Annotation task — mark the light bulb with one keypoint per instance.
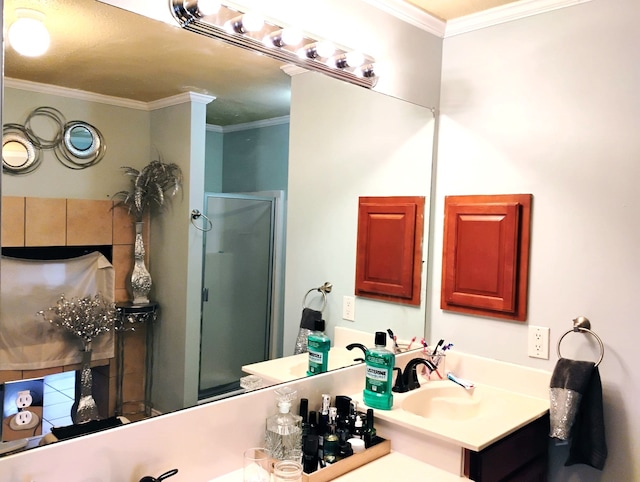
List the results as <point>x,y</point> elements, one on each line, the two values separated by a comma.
<point>29,37</point>
<point>354,59</point>
<point>248,22</point>
<point>252,22</point>
<point>208,7</point>
<point>291,36</point>
<point>325,48</point>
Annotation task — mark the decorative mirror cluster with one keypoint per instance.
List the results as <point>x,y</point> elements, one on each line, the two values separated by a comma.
<point>76,144</point>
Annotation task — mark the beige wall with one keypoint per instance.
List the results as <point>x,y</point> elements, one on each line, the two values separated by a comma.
<point>125,131</point>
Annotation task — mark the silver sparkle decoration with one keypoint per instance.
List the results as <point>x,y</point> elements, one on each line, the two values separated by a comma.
<point>86,318</point>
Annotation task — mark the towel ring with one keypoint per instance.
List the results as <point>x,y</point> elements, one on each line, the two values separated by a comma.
<point>195,214</point>
<point>324,289</point>
<point>582,324</point>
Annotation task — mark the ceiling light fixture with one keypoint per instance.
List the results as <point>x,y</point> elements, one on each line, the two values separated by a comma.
<point>208,7</point>
<point>250,31</point>
<point>28,35</point>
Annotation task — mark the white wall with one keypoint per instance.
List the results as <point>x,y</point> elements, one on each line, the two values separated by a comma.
<point>549,105</point>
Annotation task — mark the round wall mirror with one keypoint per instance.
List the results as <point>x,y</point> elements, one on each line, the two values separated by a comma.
<point>19,154</point>
<point>81,140</point>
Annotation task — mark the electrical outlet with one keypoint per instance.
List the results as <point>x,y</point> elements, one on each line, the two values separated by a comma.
<point>24,399</point>
<point>538,342</point>
<point>24,417</point>
<point>349,308</point>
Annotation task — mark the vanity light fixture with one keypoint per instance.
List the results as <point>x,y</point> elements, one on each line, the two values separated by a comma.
<point>28,35</point>
<point>250,31</point>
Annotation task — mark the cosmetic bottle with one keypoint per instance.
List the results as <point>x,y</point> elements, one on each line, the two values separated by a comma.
<point>283,435</point>
<point>303,412</point>
<point>358,428</point>
<point>310,454</point>
<point>318,346</point>
<point>323,423</point>
<point>379,374</point>
<point>330,447</point>
<point>369,432</point>
<point>343,409</point>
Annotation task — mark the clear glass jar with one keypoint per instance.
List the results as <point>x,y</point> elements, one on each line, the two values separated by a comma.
<point>287,471</point>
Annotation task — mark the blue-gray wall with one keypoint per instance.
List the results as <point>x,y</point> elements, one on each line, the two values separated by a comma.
<point>255,159</point>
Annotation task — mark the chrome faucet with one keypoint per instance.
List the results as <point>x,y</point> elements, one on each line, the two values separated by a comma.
<point>409,379</point>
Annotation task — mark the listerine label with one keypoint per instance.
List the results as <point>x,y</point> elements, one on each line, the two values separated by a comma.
<point>316,360</point>
<point>376,379</point>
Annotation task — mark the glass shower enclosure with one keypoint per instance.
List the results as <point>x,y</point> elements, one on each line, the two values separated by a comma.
<point>238,289</point>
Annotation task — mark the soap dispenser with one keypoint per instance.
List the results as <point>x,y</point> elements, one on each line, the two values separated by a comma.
<point>379,374</point>
<point>283,435</point>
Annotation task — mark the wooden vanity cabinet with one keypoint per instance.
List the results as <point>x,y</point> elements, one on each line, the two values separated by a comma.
<point>519,457</point>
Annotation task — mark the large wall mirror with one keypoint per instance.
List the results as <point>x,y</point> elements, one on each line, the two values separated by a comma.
<point>112,68</point>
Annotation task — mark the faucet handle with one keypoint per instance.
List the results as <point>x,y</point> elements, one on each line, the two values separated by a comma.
<point>400,386</point>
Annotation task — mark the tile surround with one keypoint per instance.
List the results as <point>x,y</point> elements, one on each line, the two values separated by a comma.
<point>81,222</point>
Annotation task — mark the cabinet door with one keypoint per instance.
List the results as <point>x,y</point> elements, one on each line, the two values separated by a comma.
<point>485,255</point>
<point>521,456</point>
<point>389,250</point>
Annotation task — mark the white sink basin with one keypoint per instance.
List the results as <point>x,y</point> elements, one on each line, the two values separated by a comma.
<point>448,402</point>
<point>295,366</point>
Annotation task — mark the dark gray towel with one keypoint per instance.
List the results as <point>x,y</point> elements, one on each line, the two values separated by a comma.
<point>577,411</point>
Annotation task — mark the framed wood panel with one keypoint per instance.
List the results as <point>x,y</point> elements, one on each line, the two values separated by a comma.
<point>485,260</point>
<point>389,248</point>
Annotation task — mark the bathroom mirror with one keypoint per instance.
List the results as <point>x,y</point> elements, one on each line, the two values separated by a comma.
<point>241,100</point>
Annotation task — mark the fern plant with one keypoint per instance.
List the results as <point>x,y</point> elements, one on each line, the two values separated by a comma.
<point>152,185</point>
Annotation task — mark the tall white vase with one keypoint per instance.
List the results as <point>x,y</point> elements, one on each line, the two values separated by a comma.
<point>140,277</point>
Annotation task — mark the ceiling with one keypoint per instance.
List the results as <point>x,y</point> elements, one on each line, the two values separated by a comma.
<point>93,49</point>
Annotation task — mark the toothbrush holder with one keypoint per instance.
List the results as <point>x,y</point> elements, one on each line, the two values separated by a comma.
<point>438,360</point>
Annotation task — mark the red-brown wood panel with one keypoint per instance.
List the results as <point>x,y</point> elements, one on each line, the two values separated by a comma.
<point>485,255</point>
<point>389,250</point>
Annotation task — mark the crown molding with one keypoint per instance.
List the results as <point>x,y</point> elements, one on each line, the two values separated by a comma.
<point>412,15</point>
<point>74,93</point>
<point>505,13</point>
<point>494,16</point>
<point>184,98</point>
<point>106,99</point>
<point>274,121</point>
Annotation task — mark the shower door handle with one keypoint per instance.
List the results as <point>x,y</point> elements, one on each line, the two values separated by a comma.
<point>205,294</point>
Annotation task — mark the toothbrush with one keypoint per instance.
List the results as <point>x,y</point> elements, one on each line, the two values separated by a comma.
<point>411,343</point>
<point>460,381</point>
<point>393,337</point>
<point>438,346</point>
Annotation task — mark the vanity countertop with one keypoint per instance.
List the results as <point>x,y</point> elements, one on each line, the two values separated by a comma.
<point>473,419</point>
<point>295,367</point>
<point>392,466</point>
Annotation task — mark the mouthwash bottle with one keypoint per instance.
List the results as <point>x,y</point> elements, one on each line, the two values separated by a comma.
<point>318,345</point>
<point>379,374</point>
<point>283,435</point>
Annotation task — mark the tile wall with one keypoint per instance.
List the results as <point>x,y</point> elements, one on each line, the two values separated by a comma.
<point>29,221</point>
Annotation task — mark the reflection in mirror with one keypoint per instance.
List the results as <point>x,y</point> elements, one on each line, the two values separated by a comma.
<point>344,150</point>
<point>19,154</point>
<point>78,139</point>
